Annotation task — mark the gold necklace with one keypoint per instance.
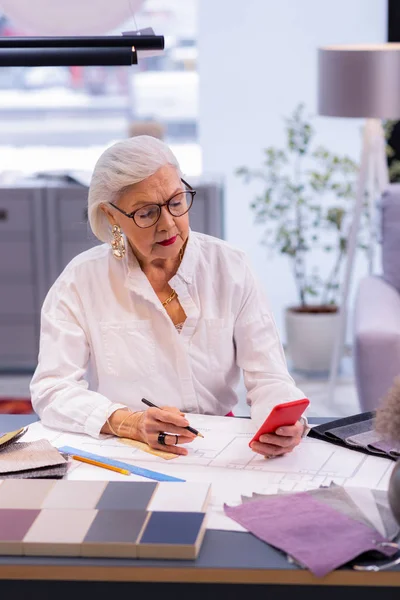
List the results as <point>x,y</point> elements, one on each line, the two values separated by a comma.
<point>173,294</point>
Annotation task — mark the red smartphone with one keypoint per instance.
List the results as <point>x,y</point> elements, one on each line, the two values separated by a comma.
<point>282,415</point>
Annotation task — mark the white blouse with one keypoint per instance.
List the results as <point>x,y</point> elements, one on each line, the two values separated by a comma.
<point>106,340</point>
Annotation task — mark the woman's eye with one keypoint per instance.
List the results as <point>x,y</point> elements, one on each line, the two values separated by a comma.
<point>148,214</point>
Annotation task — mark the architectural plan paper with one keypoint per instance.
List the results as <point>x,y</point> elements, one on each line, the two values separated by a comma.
<point>224,459</point>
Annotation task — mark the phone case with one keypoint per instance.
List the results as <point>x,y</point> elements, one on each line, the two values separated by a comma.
<point>282,414</point>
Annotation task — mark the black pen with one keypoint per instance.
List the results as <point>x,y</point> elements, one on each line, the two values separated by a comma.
<point>192,429</point>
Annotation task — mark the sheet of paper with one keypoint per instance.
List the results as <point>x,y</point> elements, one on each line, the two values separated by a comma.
<point>224,459</point>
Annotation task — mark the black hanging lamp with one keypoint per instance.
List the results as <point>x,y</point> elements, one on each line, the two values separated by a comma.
<point>76,51</point>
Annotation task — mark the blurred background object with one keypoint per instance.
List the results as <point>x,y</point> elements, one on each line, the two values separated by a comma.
<point>152,128</point>
<point>231,73</point>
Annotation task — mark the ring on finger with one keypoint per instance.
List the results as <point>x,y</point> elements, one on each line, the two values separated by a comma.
<point>176,439</point>
<point>161,438</point>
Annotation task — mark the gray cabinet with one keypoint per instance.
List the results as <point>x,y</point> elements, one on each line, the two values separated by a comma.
<point>206,214</point>
<point>43,226</point>
<point>69,231</point>
<point>23,276</point>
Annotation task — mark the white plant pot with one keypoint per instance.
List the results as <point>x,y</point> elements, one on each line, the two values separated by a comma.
<point>310,339</point>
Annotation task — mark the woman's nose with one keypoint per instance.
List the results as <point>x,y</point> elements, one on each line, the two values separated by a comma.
<point>166,219</point>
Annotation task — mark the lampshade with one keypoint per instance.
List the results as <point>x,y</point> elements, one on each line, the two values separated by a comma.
<point>359,81</point>
<point>69,17</point>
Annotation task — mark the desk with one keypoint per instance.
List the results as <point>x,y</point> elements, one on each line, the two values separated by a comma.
<point>226,558</point>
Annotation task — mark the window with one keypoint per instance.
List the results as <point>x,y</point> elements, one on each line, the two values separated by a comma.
<point>63,117</point>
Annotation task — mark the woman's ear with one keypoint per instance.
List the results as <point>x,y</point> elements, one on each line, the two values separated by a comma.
<point>110,217</point>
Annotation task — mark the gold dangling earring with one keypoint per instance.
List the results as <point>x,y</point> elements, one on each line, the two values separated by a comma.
<point>117,243</point>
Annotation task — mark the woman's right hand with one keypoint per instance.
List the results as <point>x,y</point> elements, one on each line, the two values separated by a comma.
<point>167,419</point>
<point>147,425</point>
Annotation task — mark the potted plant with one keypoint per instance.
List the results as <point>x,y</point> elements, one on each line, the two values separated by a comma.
<point>387,424</point>
<point>305,206</point>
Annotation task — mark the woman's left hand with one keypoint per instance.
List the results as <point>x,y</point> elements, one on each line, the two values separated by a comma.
<point>281,442</point>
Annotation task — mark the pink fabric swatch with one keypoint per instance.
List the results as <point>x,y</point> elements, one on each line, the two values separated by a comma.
<point>317,536</point>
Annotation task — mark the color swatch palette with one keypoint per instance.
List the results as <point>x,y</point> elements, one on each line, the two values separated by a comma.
<point>40,517</point>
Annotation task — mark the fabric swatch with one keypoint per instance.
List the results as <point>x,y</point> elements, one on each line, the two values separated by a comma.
<point>346,431</point>
<point>372,441</point>
<point>319,431</point>
<point>289,522</point>
<point>10,437</point>
<point>392,528</point>
<point>335,496</point>
<point>24,456</point>
<point>366,504</point>
<point>57,472</point>
<point>370,507</point>
<point>365,438</point>
<point>388,447</point>
<point>356,432</point>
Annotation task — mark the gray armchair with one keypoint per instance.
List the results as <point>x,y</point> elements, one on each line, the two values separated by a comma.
<point>377,313</point>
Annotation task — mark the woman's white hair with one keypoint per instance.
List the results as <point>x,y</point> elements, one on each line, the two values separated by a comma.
<point>120,166</point>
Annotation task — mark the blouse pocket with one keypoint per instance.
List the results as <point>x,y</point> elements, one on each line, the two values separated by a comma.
<point>220,344</point>
<point>129,349</point>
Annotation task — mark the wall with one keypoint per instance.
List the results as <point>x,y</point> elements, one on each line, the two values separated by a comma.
<point>257,60</point>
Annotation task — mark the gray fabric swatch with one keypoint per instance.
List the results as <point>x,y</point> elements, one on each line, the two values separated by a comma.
<point>346,431</point>
<point>24,456</point>
<point>382,502</point>
<point>365,439</point>
<point>336,497</point>
<point>57,472</point>
<point>339,430</point>
<point>247,499</point>
<point>387,447</point>
<point>315,534</point>
<point>374,443</point>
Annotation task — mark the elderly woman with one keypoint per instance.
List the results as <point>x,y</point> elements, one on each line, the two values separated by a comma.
<point>158,311</point>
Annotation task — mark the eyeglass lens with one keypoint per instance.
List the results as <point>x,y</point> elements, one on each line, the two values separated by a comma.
<point>178,206</point>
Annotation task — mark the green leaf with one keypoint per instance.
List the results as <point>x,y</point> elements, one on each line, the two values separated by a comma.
<point>305,194</point>
<point>311,291</point>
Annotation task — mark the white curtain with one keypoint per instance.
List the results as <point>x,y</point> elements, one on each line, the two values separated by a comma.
<point>68,17</point>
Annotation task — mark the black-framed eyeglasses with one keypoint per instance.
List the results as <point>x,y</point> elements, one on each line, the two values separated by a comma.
<point>149,214</point>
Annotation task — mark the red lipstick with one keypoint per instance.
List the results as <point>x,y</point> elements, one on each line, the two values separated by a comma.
<point>168,242</point>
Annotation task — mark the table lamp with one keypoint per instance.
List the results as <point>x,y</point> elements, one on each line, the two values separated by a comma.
<point>360,81</point>
<point>72,17</point>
